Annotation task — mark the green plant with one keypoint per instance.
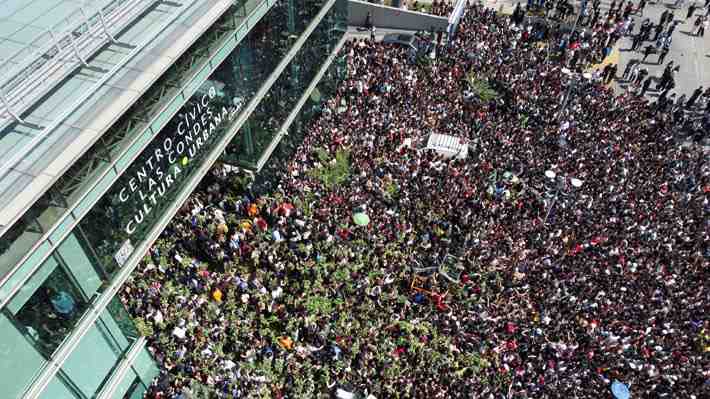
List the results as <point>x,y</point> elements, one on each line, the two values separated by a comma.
<point>322,154</point>
<point>199,390</point>
<point>319,305</point>
<point>425,8</point>
<point>306,204</point>
<point>481,88</point>
<point>144,329</point>
<point>333,173</point>
<point>391,189</point>
<point>340,275</point>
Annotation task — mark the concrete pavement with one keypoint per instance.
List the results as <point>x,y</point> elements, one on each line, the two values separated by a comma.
<point>690,52</point>
<point>687,50</point>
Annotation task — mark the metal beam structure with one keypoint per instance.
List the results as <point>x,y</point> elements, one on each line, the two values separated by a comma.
<point>43,64</point>
<point>97,307</point>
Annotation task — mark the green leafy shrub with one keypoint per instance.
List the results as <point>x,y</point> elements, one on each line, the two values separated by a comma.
<point>481,88</point>
<point>143,328</point>
<point>333,173</point>
<point>319,305</point>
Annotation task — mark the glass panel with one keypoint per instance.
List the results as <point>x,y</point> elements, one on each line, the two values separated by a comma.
<point>129,387</point>
<point>200,78</point>
<point>24,270</point>
<point>224,51</point>
<point>91,362</point>
<point>119,324</point>
<point>48,307</point>
<point>140,197</point>
<point>256,136</point>
<point>53,208</point>
<point>18,240</point>
<point>58,389</point>
<point>251,5</point>
<point>32,285</point>
<point>94,193</point>
<point>61,229</point>
<point>125,159</point>
<point>19,361</point>
<point>80,263</point>
<point>135,391</point>
<point>174,105</point>
<point>269,41</point>
<point>312,109</point>
<point>145,367</point>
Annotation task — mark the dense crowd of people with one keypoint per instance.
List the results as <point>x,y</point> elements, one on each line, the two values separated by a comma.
<point>653,39</point>
<point>441,8</point>
<point>568,250</point>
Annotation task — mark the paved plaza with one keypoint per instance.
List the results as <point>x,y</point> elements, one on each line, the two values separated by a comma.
<point>690,52</point>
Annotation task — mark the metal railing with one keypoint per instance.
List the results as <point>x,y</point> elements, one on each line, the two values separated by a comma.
<point>50,58</point>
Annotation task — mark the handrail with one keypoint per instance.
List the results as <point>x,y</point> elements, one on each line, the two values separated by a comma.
<point>40,47</point>
<point>69,213</point>
<point>33,82</point>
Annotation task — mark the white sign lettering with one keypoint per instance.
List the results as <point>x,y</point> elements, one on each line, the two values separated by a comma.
<point>124,253</point>
<point>164,165</point>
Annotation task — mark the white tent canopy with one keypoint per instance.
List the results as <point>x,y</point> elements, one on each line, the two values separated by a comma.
<point>448,146</point>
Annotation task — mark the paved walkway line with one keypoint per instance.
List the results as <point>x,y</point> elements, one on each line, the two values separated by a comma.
<point>613,58</point>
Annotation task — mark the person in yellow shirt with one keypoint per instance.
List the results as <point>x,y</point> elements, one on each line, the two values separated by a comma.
<point>285,342</point>
<point>217,295</point>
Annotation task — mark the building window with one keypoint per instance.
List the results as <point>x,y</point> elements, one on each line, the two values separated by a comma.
<point>136,390</point>
<point>48,307</point>
<point>19,361</point>
<point>60,388</point>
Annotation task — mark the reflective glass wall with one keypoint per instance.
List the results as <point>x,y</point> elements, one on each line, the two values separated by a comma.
<point>75,182</point>
<point>320,98</point>
<point>261,128</point>
<point>19,360</point>
<point>39,318</point>
<point>48,306</point>
<point>141,196</point>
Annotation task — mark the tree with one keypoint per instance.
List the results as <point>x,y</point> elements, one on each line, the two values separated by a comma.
<point>481,88</point>
<point>335,171</point>
<point>144,329</point>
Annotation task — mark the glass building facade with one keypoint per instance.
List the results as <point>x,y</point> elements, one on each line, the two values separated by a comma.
<point>62,328</point>
<point>256,135</point>
<point>287,146</point>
